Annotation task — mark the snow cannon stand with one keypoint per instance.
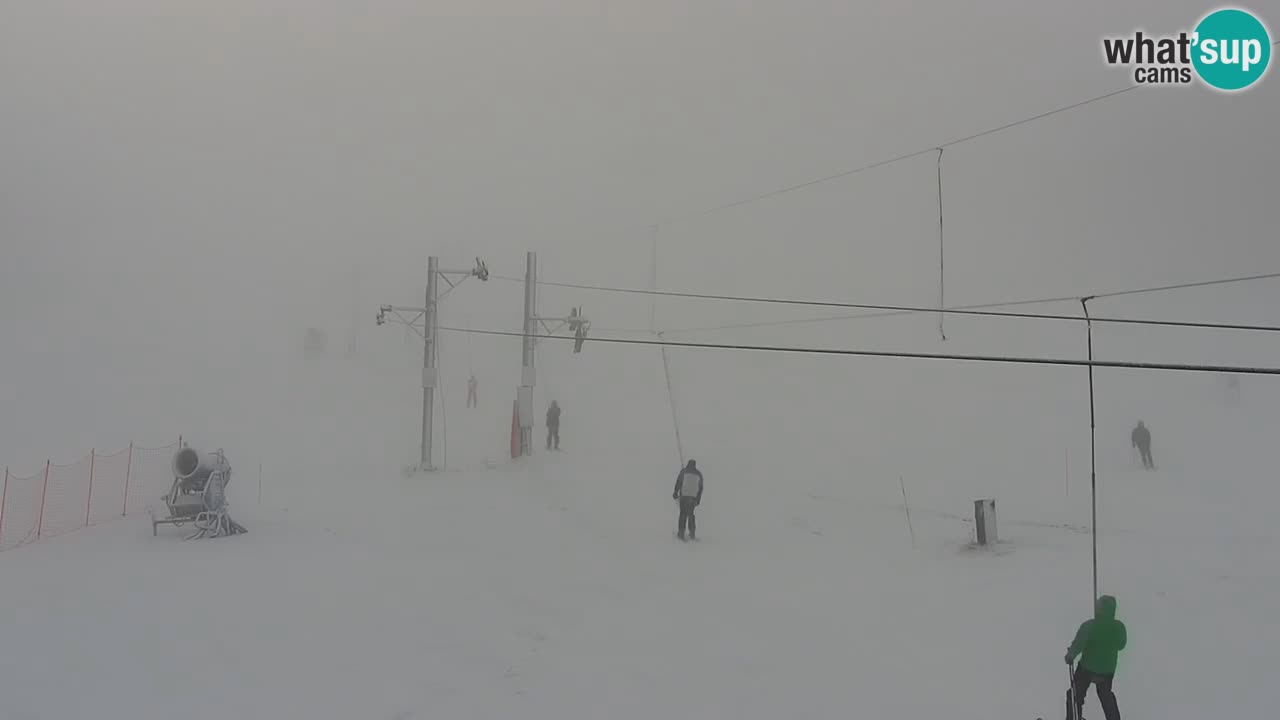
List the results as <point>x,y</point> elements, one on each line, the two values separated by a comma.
<point>198,495</point>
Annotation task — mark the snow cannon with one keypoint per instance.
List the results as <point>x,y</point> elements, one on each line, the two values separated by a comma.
<point>193,470</point>
<point>198,495</point>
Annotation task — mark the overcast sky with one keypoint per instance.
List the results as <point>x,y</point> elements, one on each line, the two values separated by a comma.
<point>172,173</point>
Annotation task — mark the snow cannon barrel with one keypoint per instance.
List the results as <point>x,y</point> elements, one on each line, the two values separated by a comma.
<point>194,468</point>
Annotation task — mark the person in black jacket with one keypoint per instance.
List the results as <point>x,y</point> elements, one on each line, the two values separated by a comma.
<point>1141,439</point>
<point>689,492</point>
<point>553,424</point>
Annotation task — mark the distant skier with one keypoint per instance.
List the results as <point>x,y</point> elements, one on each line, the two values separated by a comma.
<point>471,392</point>
<point>689,492</point>
<point>1098,642</point>
<point>1141,439</point>
<point>553,424</point>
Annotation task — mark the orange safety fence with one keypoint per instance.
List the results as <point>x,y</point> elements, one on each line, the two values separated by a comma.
<point>98,487</point>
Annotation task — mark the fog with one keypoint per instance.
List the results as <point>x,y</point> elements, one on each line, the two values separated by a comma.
<point>186,188</point>
<point>184,191</point>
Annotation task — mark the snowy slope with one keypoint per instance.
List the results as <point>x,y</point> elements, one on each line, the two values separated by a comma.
<point>553,588</point>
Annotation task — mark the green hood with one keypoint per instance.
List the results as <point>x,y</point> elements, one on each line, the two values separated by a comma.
<point>1099,641</point>
<point>1105,608</point>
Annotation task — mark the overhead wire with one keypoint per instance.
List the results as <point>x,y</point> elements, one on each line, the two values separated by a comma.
<point>1010,303</point>
<point>803,350</point>
<point>899,158</point>
<point>962,310</point>
<point>1182,286</point>
<point>905,156</point>
<point>892,310</point>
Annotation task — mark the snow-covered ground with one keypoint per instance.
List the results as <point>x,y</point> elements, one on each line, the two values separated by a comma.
<point>554,588</point>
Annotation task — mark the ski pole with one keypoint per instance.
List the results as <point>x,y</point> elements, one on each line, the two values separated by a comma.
<point>1073,709</point>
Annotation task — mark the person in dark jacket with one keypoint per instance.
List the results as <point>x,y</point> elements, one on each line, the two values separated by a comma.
<point>1141,439</point>
<point>689,492</point>
<point>553,424</point>
<point>1097,643</point>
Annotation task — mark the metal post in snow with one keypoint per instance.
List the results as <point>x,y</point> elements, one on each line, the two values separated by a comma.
<point>527,358</point>
<point>353,331</point>
<point>942,274</point>
<point>671,400</point>
<point>428,363</point>
<point>44,492</point>
<point>1093,454</point>
<point>653,278</point>
<point>128,470</point>
<point>430,333</point>
<point>88,504</point>
<point>907,506</point>
<point>4,497</point>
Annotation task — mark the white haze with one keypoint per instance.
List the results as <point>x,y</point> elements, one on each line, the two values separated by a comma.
<point>184,189</point>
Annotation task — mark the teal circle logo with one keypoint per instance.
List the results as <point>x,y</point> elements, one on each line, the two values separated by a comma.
<point>1231,49</point>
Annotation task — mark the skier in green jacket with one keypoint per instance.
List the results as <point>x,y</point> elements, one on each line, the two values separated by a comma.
<point>1097,644</point>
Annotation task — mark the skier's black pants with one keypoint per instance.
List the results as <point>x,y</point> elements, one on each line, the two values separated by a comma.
<point>553,431</point>
<point>687,504</point>
<point>1145,451</point>
<point>1080,686</point>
